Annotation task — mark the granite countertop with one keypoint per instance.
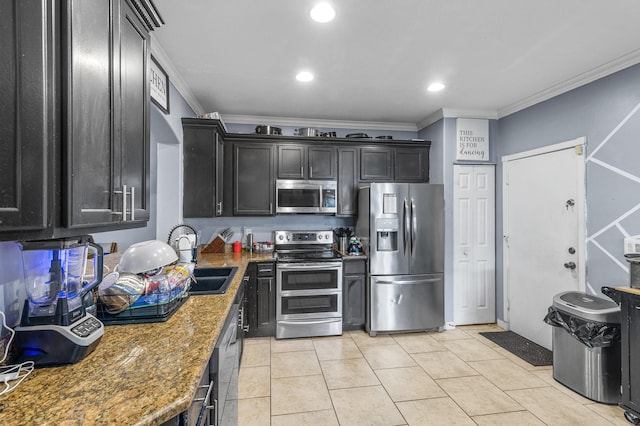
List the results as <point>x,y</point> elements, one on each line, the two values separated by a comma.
<point>138,374</point>
<point>347,256</point>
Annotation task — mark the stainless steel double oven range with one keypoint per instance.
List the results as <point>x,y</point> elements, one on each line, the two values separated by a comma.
<point>309,285</point>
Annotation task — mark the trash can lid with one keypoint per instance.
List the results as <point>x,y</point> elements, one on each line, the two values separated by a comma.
<point>587,306</point>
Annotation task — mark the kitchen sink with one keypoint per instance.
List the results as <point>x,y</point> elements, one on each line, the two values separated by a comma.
<point>212,280</point>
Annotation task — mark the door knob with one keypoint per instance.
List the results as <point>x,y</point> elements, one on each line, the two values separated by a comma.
<point>570,203</point>
<point>466,253</point>
<point>570,265</point>
<point>572,250</point>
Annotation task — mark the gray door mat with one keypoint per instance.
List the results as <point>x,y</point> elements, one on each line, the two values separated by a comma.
<point>529,351</point>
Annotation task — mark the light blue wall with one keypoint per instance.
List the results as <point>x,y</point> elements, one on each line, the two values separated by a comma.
<point>166,130</point>
<point>442,158</point>
<point>606,113</point>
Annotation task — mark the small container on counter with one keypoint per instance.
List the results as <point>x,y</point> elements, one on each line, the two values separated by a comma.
<point>237,247</point>
<point>263,247</point>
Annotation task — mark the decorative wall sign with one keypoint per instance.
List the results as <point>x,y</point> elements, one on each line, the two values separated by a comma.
<point>159,86</point>
<point>472,139</point>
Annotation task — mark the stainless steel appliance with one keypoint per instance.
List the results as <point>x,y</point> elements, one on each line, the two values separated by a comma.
<point>402,231</point>
<point>55,327</point>
<point>308,285</point>
<point>306,196</point>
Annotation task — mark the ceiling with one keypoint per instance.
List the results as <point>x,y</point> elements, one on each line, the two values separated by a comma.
<point>373,62</point>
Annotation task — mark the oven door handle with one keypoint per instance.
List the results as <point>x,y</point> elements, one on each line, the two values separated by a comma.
<point>423,281</point>
<point>309,266</point>
<point>320,321</point>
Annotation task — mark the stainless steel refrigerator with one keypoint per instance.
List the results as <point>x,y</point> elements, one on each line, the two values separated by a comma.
<point>402,230</point>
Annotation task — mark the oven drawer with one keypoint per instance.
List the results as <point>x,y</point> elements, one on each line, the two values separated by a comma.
<point>288,329</point>
<point>298,307</point>
<point>305,277</point>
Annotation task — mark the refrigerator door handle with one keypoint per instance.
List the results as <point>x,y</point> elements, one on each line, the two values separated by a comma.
<point>402,282</point>
<point>405,225</point>
<point>414,225</point>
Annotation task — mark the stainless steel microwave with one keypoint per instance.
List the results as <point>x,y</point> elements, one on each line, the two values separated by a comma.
<point>306,196</point>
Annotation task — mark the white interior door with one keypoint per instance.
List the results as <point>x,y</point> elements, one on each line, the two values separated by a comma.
<point>474,272</point>
<point>544,196</point>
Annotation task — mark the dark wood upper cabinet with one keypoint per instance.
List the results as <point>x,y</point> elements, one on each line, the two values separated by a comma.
<point>107,108</point>
<point>347,181</point>
<point>322,162</point>
<point>376,164</point>
<point>411,164</point>
<point>298,161</point>
<point>394,164</point>
<point>75,116</point>
<point>292,161</point>
<point>27,116</point>
<point>253,179</point>
<point>203,163</point>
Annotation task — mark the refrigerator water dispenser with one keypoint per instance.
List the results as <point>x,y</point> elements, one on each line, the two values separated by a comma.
<point>387,234</point>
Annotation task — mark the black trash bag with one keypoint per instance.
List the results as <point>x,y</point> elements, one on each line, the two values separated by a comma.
<point>590,333</point>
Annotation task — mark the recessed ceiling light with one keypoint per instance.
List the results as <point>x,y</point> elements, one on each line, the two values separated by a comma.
<point>322,12</point>
<point>304,76</point>
<point>435,87</point>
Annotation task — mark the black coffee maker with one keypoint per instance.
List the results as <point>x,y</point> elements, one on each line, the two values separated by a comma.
<point>55,327</point>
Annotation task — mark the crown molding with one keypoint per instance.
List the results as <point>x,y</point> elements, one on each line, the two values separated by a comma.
<point>310,122</point>
<point>174,76</point>
<point>609,68</point>
<point>457,113</point>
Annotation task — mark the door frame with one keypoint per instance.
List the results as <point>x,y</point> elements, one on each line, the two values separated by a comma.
<point>579,144</point>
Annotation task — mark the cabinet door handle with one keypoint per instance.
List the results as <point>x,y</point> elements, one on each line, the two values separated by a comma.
<point>270,208</point>
<point>219,205</point>
<point>132,216</point>
<point>301,171</point>
<point>310,171</point>
<point>124,203</point>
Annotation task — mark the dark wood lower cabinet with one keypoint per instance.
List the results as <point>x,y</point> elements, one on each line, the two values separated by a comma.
<point>353,294</point>
<point>261,300</point>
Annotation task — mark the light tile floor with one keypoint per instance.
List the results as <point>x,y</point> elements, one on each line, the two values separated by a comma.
<point>452,378</point>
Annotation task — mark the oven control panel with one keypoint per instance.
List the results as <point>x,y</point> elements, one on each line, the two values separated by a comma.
<point>303,237</point>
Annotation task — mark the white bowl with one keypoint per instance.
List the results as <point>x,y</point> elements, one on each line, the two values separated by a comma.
<point>146,256</point>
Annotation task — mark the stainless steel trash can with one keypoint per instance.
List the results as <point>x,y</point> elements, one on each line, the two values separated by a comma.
<point>593,372</point>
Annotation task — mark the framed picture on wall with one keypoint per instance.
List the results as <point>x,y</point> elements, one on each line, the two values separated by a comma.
<point>159,86</point>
